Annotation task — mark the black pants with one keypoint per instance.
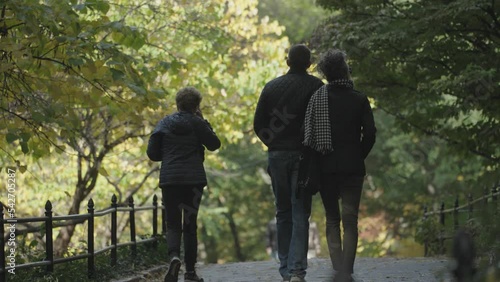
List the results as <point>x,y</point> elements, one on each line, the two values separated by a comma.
<point>182,204</point>
<point>347,189</point>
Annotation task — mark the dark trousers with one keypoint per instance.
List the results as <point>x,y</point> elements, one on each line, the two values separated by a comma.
<point>182,204</point>
<point>347,190</point>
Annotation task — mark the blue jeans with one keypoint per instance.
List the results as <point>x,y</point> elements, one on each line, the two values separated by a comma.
<point>292,214</point>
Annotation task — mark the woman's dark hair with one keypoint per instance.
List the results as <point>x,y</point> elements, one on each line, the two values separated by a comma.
<point>332,64</point>
<point>188,99</point>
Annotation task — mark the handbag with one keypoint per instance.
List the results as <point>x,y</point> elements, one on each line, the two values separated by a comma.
<point>309,172</point>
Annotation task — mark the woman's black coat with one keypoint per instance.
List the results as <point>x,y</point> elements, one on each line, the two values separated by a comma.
<point>353,132</point>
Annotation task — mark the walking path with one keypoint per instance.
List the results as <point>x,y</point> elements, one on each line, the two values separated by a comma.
<point>319,270</point>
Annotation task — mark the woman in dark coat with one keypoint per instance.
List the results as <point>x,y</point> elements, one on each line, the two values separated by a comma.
<point>339,123</point>
<point>179,142</point>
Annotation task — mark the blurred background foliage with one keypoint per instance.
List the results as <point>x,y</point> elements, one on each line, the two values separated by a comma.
<point>83,88</point>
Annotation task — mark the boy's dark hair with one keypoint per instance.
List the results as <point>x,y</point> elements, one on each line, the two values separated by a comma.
<point>299,56</point>
<point>333,65</point>
<point>188,99</point>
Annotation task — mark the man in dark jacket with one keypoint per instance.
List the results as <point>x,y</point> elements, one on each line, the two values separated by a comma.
<point>178,141</point>
<point>278,121</point>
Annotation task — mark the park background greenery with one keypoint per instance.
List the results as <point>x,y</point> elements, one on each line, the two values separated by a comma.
<point>84,82</point>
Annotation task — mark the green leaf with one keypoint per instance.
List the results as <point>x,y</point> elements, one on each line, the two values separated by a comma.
<point>137,89</point>
<point>38,117</point>
<point>105,45</point>
<point>165,65</point>
<point>118,37</point>
<point>76,61</point>
<point>103,172</point>
<point>24,147</point>
<point>25,136</point>
<point>61,39</point>
<point>80,7</point>
<point>10,137</point>
<point>117,74</point>
<point>102,6</point>
<point>23,168</point>
<point>138,42</point>
<point>33,244</point>
<point>116,25</point>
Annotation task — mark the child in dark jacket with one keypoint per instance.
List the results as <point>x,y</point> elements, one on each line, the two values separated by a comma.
<point>179,142</point>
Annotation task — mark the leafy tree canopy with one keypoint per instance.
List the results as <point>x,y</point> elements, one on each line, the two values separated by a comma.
<point>431,64</point>
<point>90,79</point>
<point>299,17</point>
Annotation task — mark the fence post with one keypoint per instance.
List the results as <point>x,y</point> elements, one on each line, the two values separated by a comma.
<point>155,220</point>
<point>114,228</point>
<point>441,214</point>
<point>485,195</point>
<point>441,235</point>
<point>471,208</point>
<point>90,240</point>
<point>132,226</point>
<point>163,217</point>
<point>455,214</point>
<point>495,197</point>
<point>49,246</point>
<point>2,244</point>
<point>426,244</point>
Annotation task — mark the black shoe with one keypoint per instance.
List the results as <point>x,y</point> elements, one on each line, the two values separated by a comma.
<point>343,277</point>
<point>173,270</point>
<point>190,276</point>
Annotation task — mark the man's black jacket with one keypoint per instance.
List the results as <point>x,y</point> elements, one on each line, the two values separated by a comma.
<point>281,109</point>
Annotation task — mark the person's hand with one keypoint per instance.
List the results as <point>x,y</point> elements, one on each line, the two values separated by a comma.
<point>268,250</point>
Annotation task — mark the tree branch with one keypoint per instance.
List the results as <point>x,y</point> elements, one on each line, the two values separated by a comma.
<point>70,68</point>
<point>440,136</point>
<point>144,179</point>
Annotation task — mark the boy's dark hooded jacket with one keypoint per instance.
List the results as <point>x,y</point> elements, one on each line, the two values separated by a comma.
<point>177,141</point>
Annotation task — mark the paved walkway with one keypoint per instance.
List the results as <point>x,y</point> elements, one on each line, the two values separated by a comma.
<point>366,270</point>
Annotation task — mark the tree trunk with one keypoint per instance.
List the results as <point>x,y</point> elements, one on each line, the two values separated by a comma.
<point>66,232</point>
<point>209,246</point>
<point>236,238</point>
<point>84,185</point>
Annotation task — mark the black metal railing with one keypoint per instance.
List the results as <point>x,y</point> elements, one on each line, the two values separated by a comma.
<point>446,232</point>
<point>51,222</point>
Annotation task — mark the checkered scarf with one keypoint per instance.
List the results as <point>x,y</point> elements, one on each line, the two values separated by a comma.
<point>318,134</point>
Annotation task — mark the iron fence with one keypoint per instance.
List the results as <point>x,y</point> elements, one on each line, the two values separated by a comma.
<point>7,262</point>
<point>488,199</point>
